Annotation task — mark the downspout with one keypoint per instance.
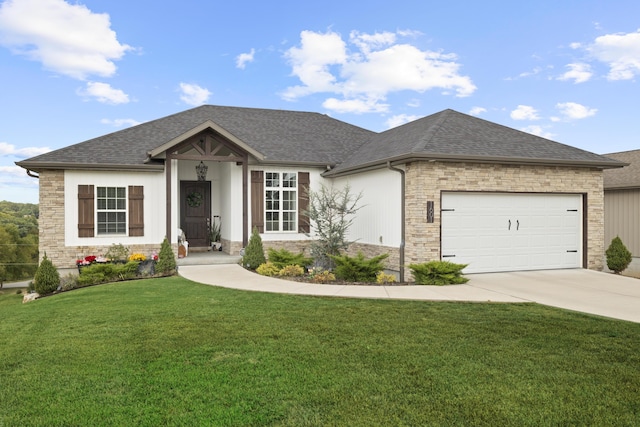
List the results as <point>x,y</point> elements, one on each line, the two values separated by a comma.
<point>31,174</point>
<point>402,217</point>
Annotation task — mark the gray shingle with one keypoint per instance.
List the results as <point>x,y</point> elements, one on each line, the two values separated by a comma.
<point>626,177</point>
<point>450,135</point>
<point>313,138</point>
<point>286,136</point>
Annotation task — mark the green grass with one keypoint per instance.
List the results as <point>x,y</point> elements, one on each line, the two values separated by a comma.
<point>172,352</point>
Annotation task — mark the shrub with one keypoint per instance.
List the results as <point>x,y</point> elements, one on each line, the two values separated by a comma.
<point>103,273</point>
<point>438,273</point>
<point>117,252</point>
<point>254,252</point>
<point>166,259</point>
<point>618,256</point>
<point>268,269</point>
<point>68,282</point>
<point>291,271</point>
<point>383,278</point>
<point>321,276</point>
<point>47,278</point>
<point>283,258</point>
<point>358,268</point>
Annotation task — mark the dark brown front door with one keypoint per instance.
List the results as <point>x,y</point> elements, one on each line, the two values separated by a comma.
<point>195,211</point>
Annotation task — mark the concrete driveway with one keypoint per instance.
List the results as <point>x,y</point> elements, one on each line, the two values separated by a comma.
<point>588,291</point>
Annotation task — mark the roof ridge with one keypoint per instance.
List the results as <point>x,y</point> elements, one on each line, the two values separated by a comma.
<point>431,132</point>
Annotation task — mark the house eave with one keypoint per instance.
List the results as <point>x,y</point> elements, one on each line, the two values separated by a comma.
<point>39,166</point>
<point>474,159</point>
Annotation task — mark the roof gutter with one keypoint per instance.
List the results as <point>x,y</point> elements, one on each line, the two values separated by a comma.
<point>36,167</point>
<point>476,159</point>
<point>402,217</point>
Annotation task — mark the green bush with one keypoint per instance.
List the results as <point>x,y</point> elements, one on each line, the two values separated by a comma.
<point>358,268</point>
<point>268,269</point>
<point>291,271</point>
<point>438,273</point>
<point>254,252</point>
<point>618,256</point>
<point>283,258</point>
<point>117,252</point>
<point>108,272</point>
<point>166,264</point>
<point>47,278</point>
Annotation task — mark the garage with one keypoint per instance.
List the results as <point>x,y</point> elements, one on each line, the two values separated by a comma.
<point>512,231</point>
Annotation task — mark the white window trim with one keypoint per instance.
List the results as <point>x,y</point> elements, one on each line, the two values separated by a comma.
<point>281,188</point>
<point>125,210</point>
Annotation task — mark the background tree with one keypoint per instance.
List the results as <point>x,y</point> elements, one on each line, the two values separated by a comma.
<point>331,213</point>
<point>18,240</point>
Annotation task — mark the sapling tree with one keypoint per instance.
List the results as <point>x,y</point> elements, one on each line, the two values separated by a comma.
<point>331,213</point>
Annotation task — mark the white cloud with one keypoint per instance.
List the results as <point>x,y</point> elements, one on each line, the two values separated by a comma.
<point>366,105</point>
<point>11,150</point>
<point>104,93</point>
<point>244,58</point>
<point>414,103</point>
<point>538,131</point>
<point>574,111</point>
<point>525,112</point>
<point>476,111</point>
<point>400,119</point>
<point>193,94</point>
<point>66,38</point>
<point>621,52</point>
<point>120,122</point>
<point>578,72</point>
<point>379,65</point>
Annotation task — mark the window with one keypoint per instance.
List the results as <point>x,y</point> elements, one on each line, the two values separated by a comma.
<point>281,201</point>
<point>112,210</point>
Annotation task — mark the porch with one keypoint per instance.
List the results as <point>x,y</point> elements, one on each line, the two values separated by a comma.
<point>199,257</point>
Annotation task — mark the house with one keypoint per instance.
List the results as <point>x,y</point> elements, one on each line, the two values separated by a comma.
<point>448,186</point>
<point>622,204</point>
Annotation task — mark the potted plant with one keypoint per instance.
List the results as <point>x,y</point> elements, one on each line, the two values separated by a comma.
<point>214,234</point>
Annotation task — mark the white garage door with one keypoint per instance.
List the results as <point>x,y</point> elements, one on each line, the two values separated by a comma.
<point>512,231</point>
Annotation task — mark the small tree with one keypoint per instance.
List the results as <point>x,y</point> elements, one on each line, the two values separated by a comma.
<point>47,278</point>
<point>331,214</point>
<point>166,259</point>
<point>254,252</point>
<point>618,256</point>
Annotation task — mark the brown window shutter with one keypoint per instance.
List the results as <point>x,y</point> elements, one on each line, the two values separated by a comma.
<point>136,210</point>
<point>257,200</point>
<point>303,202</point>
<point>86,203</point>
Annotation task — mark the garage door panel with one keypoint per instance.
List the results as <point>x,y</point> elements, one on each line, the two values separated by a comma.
<point>510,232</point>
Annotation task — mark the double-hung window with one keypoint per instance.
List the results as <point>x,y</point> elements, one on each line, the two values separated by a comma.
<point>111,210</point>
<point>281,201</point>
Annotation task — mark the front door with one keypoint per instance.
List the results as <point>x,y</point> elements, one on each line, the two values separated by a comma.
<point>195,211</point>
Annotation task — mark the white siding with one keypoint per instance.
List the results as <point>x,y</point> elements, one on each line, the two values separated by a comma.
<point>378,222</point>
<point>154,205</point>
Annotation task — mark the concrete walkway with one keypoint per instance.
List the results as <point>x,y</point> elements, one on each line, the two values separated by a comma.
<point>581,290</point>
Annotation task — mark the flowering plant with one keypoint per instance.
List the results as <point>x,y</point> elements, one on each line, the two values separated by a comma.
<point>137,257</point>
<point>86,260</point>
<point>155,256</point>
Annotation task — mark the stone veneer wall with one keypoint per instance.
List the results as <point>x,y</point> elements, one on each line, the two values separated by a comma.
<point>426,180</point>
<point>51,221</point>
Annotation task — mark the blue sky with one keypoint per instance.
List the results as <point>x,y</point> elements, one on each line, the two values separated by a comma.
<point>70,71</point>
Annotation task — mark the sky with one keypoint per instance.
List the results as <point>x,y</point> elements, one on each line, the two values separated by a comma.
<point>70,71</point>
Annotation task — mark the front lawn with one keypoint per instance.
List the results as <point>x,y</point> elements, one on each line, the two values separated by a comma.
<point>171,352</point>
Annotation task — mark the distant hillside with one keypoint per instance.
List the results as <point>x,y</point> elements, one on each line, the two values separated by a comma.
<point>18,240</point>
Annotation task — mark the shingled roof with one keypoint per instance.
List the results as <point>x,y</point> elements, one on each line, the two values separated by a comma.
<point>295,137</point>
<point>627,177</point>
<point>453,136</point>
<point>279,136</point>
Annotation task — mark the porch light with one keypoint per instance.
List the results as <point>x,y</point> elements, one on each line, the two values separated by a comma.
<point>201,171</point>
